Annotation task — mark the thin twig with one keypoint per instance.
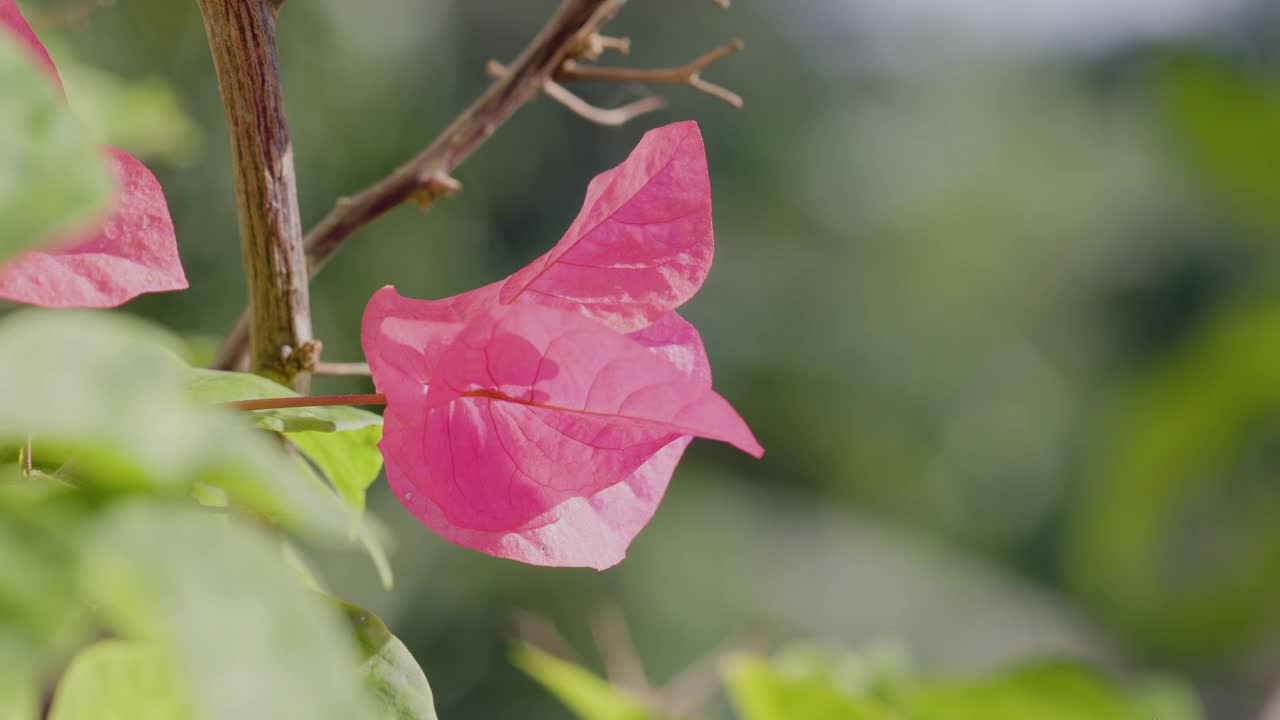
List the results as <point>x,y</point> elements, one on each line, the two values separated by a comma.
<point>622,661</point>
<point>688,74</point>
<point>609,117</point>
<point>27,462</point>
<point>347,369</point>
<point>307,401</point>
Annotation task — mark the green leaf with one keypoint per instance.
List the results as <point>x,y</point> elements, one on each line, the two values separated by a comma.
<point>588,695</point>
<point>244,637</point>
<point>1044,691</point>
<point>102,393</point>
<point>779,690</point>
<point>400,688</point>
<point>349,459</point>
<point>341,441</point>
<point>51,179</point>
<point>115,680</point>
<point>41,618</point>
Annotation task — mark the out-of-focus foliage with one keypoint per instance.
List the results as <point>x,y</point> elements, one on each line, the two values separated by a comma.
<point>1177,525</point>
<point>984,298</point>
<point>114,680</point>
<point>51,179</point>
<point>815,684</point>
<point>583,692</point>
<point>1227,119</point>
<point>100,535</point>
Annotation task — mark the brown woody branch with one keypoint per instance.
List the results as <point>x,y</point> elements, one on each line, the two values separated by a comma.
<point>242,40</point>
<point>570,36</point>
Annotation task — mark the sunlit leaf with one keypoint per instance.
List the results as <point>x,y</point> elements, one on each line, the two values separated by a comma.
<point>1046,691</point>
<point>115,680</point>
<point>589,696</point>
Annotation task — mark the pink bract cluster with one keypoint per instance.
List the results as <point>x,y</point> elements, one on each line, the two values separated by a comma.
<point>132,251</point>
<point>540,418</point>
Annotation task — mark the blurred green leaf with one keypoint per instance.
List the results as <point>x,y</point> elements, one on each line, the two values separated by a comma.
<point>41,617</point>
<point>1176,537</point>
<point>1226,121</point>
<point>1047,691</point>
<point>51,178</point>
<point>102,393</point>
<point>215,597</point>
<point>18,689</point>
<point>115,680</point>
<point>762,691</point>
<point>144,116</point>
<point>397,682</point>
<point>363,529</point>
<point>589,696</point>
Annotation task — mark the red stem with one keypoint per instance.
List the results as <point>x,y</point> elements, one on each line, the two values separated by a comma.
<point>308,401</point>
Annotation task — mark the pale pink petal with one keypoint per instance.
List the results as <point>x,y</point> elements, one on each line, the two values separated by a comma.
<point>532,408</point>
<point>11,18</point>
<point>133,252</point>
<point>643,242</point>
<point>403,338</point>
<point>592,531</point>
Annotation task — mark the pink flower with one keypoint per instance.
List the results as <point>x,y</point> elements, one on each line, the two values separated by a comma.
<point>133,251</point>
<point>540,418</point>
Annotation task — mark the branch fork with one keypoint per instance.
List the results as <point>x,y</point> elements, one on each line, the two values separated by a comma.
<point>560,53</point>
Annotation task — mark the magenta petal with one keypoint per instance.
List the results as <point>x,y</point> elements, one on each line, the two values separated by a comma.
<point>641,247</point>
<point>643,242</point>
<point>593,531</point>
<point>11,18</point>
<point>133,252</point>
<point>534,410</point>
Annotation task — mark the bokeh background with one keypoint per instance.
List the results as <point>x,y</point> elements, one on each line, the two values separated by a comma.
<point>997,285</point>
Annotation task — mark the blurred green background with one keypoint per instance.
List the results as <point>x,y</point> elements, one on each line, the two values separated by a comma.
<point>998,287</point>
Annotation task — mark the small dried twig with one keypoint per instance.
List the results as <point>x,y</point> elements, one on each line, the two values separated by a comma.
<point>622,661</point>
<point>347,369</point>
<point>688,74</point>
<point>538,631</point>
<point>609,117</point>
<point>597,44</point>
